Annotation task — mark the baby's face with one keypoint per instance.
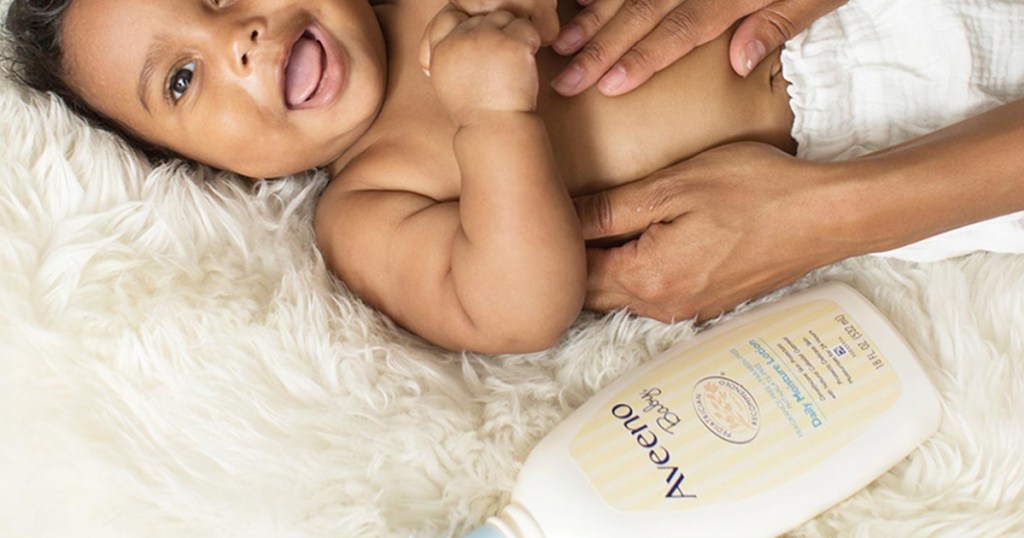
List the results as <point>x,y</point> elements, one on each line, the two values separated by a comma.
<point>264,88</point>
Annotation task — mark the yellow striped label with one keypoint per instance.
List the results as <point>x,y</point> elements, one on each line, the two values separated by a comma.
<point>738,413</point>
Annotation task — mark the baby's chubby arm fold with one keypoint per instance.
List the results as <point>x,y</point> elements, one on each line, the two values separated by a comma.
<point>517,260</point>
<point>503,268</point>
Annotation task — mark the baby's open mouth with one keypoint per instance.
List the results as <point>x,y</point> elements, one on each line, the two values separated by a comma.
<point>305,70</point>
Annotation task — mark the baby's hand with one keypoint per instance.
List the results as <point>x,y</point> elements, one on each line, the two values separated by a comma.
<point>542,13</point>
<point>483,63</point>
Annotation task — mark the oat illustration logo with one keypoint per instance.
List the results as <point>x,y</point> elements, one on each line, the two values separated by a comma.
<point>727,409</point>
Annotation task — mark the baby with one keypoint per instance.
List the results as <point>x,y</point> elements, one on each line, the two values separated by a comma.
<point>453,163</point>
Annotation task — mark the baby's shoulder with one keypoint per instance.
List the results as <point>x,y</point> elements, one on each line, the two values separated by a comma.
<point>378,188</point>
<point>403,152</point>
<point>360,209</point>
<point>383,167</point>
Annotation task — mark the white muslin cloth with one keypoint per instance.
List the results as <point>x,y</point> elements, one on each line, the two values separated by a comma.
<point>875,73</point>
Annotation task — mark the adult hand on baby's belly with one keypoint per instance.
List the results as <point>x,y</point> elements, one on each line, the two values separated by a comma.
<point>624,42</point>
<point>726,226</point>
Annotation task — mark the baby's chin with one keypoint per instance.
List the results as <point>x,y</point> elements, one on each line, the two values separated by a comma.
<point>279,155</point>
<point>286,158</point>
<point>259,171</point>
<point>257,175</point>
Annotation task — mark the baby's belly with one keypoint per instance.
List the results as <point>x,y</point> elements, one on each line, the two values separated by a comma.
<point>695,104</point>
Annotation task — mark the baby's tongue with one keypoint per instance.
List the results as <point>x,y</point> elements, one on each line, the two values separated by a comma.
<point>303,72</point>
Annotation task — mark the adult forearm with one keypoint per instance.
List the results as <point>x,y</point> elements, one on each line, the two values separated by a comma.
<point>965,173</point>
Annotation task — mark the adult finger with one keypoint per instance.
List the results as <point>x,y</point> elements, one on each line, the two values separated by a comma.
<point>627,26</point>
<point>685,28</point>
<point>632,207</point>
<point>633,276</point>
<point>770,27</point>
<point>585,25</point>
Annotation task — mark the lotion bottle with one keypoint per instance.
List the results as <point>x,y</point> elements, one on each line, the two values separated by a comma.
<point>749,429</point>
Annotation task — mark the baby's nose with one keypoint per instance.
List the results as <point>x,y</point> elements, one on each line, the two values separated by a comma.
<point>246,48</point>
<point>246,43</point>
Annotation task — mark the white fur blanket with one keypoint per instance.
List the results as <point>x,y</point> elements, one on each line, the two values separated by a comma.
<point>175,361</point>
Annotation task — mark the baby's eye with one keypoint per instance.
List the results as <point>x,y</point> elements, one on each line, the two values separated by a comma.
<point>180,81</point>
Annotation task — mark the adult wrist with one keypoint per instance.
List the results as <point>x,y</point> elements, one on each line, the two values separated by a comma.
<point>884,202</point>
<point>959,175</point>
<point>852,212</point>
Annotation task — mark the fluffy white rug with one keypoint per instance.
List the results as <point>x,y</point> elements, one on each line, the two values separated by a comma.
<point>175,361</point>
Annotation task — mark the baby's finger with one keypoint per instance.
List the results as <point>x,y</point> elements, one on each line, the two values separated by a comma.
<point>439,27</point>
<point>499,19</point>
<point>524,30</point>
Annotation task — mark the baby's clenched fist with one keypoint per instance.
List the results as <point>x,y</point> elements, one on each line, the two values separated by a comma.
<point>482,64</point>
<point>542,13</point>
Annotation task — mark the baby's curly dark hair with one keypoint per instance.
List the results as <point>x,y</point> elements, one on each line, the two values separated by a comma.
<point>33,56</point>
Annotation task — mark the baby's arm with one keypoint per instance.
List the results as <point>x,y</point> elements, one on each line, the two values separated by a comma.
<point>517,260</point>
<point>503,269</point>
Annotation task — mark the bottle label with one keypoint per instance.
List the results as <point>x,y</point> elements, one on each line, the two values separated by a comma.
<point>738,413</point>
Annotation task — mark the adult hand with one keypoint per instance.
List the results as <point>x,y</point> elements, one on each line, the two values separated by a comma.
<point>624,42</point>
<point>728,225</point>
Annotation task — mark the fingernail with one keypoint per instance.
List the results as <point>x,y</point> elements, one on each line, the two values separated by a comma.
<point>614,80</point>
<point>753,53</point>
<point>568,80</point>
<point>569,40</point>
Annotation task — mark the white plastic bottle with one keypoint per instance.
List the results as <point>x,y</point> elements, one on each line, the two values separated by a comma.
<point>749,429</point>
